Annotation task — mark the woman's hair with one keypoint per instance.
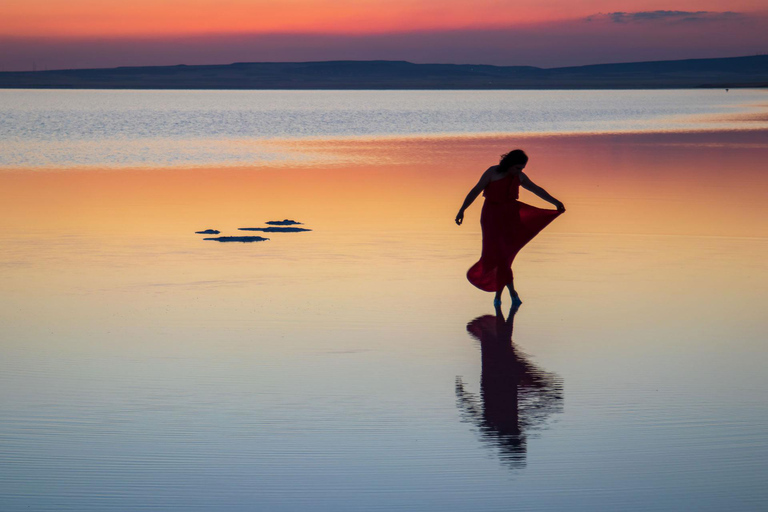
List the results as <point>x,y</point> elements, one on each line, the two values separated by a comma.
<point>514,157</point>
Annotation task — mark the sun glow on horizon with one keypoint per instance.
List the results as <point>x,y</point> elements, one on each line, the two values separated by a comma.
<point>50,34</point>
<point>152,18</point>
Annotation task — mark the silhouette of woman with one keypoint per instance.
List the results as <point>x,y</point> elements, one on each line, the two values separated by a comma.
<point>507,224</point>
<point>516,395</point>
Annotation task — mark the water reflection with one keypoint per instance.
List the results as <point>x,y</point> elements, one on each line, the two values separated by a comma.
<point>516,396</point>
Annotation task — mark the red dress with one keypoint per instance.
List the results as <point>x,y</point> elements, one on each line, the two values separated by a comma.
<point>507,225</point>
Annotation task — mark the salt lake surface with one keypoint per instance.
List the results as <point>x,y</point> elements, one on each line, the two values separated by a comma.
<point>45,129</point>
<point>353,367</point>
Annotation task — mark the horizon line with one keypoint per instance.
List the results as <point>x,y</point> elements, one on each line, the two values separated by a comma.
<point>386,61</point>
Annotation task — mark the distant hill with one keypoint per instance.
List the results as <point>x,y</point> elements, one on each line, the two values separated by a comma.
<point>693,73</point>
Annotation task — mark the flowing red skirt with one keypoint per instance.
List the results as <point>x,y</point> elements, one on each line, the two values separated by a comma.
<point>506,227</point>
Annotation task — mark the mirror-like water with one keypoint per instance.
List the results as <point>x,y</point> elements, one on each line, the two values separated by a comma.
<point>41,128</point>
<point>353,367</point>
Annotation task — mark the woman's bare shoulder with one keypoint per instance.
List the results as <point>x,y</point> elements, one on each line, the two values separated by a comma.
<point>493,173</point>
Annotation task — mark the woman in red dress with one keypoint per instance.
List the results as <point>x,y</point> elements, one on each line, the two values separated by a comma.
<point>507,224</point>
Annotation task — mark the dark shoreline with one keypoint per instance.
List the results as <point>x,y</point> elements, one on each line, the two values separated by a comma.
<point>734,72</point>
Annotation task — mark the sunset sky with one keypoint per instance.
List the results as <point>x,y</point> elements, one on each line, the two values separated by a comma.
<point>53,34</point>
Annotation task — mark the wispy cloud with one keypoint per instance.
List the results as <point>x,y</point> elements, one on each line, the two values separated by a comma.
<point>611,37</point>
<point>666,16</point>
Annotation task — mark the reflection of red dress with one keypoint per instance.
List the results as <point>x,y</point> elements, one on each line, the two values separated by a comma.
<point>507,226</point>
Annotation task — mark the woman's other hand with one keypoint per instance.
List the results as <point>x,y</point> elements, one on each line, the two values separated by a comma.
<point>460,217</point>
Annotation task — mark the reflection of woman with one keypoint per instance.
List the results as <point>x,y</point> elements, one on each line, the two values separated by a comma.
<point>507,223</point>
<point>516,396</point>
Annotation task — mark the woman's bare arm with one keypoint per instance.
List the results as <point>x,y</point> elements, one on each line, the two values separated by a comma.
<point>485,179</point>
<point>527,184</point>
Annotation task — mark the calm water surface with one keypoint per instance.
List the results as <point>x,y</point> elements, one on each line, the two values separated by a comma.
<point>41,128</point>
<point>353,367</point>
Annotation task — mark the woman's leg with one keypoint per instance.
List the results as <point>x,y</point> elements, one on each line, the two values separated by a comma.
<point>503,278</point>
<point>513,293</point>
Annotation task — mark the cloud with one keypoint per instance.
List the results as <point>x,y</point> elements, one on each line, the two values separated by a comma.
<point>667,17</point>
<point>565,43</point>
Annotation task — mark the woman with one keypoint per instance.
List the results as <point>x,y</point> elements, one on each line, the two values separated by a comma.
<point>507,223</point>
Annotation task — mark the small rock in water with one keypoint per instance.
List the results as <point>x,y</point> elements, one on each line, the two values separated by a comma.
<point>208,232</point>
<point>273,229</point>
<point>244,239</point>
<point>286,222</point>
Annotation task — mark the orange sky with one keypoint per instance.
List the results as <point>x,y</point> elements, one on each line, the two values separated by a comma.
<point>79,18</point>
<point>72,34</point>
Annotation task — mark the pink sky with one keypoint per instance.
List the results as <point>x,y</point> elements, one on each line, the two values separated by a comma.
<point>51,34</point>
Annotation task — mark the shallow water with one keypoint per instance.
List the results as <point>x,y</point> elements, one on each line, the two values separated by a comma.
<point>333,369</point>
<point>64,129</point>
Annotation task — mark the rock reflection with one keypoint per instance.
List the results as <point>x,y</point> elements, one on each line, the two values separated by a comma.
<point>516,396</point>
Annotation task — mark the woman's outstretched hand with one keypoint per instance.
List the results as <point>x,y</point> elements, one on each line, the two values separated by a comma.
<point>460,218</point>
<point>560,207</point>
